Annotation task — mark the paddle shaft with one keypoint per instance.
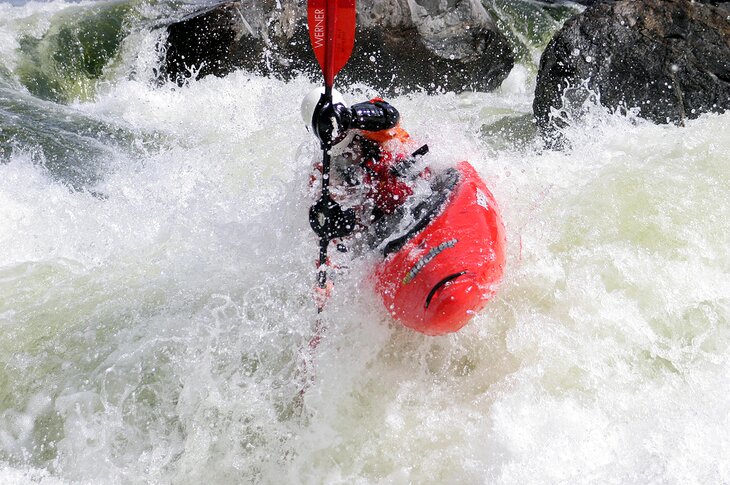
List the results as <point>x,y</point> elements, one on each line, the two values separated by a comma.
<point>332,34</point>
<point>324,241</point>
<point>328,70</point>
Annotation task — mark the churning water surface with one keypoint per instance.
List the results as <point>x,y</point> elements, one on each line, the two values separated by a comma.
<point>156,269</point>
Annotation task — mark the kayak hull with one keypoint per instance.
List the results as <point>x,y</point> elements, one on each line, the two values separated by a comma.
<point>438,279</point>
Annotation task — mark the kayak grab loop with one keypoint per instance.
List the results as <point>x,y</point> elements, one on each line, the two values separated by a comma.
<point>440,285</point>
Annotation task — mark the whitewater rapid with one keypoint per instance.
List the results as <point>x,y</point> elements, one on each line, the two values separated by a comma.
<point>155,289</point>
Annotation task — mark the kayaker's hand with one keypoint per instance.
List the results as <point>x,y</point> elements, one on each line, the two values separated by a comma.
<point>332,122</point>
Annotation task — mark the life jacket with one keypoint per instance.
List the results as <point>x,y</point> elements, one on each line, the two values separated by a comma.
<point>380,152</point>
<point>387,190</point>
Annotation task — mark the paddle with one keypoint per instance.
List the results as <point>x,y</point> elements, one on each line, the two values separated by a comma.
<point>332,34</point>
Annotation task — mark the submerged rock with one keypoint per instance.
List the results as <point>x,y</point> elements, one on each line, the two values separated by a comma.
<point>670,59</point>
<point>68,60</point>
<point>400,46</point>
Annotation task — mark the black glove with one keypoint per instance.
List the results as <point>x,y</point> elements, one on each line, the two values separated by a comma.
<point>330,122</point>
<point>374,116</point>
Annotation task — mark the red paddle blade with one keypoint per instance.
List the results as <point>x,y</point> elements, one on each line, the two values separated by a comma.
<point>332,33</point>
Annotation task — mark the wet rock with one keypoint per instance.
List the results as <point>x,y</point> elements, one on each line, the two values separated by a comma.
<point>581,2</point>
<point>670,59</point>
<point>400,46</point>
<point>589,3</point>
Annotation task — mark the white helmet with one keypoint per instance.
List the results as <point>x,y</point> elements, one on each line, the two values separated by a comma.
<point>310,102</point>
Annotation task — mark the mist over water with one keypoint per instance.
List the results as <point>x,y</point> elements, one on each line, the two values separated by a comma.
<point>157,263</point>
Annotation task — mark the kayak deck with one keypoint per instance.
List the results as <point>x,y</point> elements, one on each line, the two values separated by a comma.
<point>442,269</point>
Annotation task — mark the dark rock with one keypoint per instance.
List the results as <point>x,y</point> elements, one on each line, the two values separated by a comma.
<point>581,2</point>
<point>400,46</point>
<point>668,58</point>
<point>589,3</point>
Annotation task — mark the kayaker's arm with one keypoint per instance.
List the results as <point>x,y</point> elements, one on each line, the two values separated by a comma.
<point>373,115</point>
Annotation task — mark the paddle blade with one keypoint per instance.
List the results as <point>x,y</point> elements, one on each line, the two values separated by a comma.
<point>332,34</point>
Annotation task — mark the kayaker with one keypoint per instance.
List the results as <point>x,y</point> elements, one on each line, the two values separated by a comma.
<point>372,164</point>
<point>372,168</point>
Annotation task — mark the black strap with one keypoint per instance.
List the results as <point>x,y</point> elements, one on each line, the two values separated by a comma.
<point>402,168</point>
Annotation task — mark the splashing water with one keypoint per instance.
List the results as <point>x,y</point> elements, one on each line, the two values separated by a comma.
<point>153,308</point>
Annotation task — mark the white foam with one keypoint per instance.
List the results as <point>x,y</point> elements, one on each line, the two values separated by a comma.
<point>151,333</point>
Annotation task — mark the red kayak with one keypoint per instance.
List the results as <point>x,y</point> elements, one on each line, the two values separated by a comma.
<point>439,272</point>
